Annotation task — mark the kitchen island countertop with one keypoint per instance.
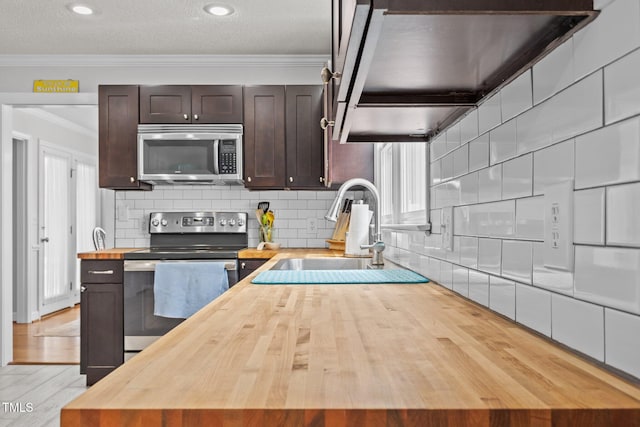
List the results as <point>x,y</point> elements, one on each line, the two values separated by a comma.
<point>350,355</point>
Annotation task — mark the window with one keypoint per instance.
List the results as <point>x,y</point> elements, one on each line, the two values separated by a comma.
<point>402,181</point>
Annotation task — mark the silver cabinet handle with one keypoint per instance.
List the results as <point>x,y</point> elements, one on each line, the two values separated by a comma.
<point>324,123</point>
<point>290,179</point>
<point>132,179</point>
<point>186,116</point>
<point>195,117</point>
<point>44,239</point>
<point>83,288</point>
<point>321,179</point>
<point>243,265</point>
<point>248,179</point>
<point>100,272</point>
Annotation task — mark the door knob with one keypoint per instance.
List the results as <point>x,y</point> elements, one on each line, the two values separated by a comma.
<point>44,239</point>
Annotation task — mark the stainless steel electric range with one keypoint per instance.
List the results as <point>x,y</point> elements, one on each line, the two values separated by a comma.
<point>176,237</point>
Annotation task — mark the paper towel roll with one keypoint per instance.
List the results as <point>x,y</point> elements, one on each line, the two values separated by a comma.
<point>358,230</point>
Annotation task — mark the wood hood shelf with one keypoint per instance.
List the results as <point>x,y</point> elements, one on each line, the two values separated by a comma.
<point>410,68</point>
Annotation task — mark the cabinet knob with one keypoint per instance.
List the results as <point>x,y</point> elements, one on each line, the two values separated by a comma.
<point>186,116</point>
<point>248,179</point>
<point>195,117</point>
<point>83,288</point>
<point>321,179</point>
<point>243,265</point>
<point>290,179</point>
<point>132,179</point>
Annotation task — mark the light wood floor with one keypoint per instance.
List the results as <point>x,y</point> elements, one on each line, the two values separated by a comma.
<point>39,391</point>
<point>53,340</point>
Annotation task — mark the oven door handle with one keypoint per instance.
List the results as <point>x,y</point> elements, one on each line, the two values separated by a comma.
<point>216,159</point>
<point>150,265</point>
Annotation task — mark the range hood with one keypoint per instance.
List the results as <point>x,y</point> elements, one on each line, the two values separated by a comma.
<point>405,70</point>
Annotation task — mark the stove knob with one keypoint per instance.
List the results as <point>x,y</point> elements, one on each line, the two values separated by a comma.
<point>164,222</point>
<point>155,222</point>
<point>232,222</point>
<point>240,222</point>
<point>223,222</point>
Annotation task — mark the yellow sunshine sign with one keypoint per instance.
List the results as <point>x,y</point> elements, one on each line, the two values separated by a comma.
<point>56,86</point>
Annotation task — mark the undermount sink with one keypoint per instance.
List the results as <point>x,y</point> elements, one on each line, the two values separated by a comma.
<point>329,264</point>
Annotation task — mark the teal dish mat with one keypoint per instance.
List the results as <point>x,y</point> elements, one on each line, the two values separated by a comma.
<point>336,277</point>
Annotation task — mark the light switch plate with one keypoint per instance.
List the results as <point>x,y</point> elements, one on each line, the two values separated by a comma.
<point>558,226</point>
<point>446,226</point>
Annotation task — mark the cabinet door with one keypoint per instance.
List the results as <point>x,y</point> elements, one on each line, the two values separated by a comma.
<point>305,153</point>
<point>216,104</point>
<point>165,104</point>
<point>248,266</point>
<point>264,139</point>
<point>118,132</point>
<point>101,329</point>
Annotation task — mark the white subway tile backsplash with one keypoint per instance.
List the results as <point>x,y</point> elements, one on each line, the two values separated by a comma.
<point>453,137</point>
<point>609,155</point>
<point>490,184</point>
<point>489,114</point>
<point>622,88</point>
<point>516,97</point>
<point>552,165</point>
<point>500,218</point>
<point>623,215</point>
<point>533,308</point>
<point>461,160</point>
<point>517,260</point>
<point>622,341</point>
<point>438,146</point>
<point>575,110</point>
<point>461,280</point>
<point>578,324</point>
<point>462,221</point>
<point>502,296</point>
<point>547,278</point>
<point>479,287</point>
<point>446,167</point>
<point>588,216</point>
<point>469,188</point>
<point>446,274</point>
<point>530,218</point>
<point>469,126</point>
<point>554,72</point>
<point>490,255</point>
<point>453,255</point>
<point>608,276</point>
<point>435,172</point>
<point>615,32</point>
<point>469,252</point>
<point>503,142</point>
<point>479,153</point>
<point>517,177</point>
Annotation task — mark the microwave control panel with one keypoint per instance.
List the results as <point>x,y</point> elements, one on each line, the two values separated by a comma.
<point>227,161</point>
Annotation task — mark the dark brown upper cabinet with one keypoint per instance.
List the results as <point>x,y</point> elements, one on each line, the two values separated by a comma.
<point>305,151</point>
<point>427,63</point>
<point>117,140</point>
<point>191,104</point>
<point>264,137</point>
<point>283,145</point>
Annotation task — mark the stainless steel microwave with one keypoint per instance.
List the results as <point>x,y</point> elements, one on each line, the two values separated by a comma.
<point>190,154</point>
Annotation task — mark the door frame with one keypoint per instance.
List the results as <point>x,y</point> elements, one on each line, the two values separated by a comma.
<point>22,250</point>
<point>7,102</point>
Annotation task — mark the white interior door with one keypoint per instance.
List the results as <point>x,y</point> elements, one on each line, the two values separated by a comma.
<point>56,232</point>
<point>85,178</point>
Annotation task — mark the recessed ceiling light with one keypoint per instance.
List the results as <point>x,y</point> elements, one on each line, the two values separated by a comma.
<point>218,9</point>
<point>80,9</point>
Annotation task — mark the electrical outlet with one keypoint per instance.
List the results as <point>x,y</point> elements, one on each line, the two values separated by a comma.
<point>558,226</point>
<point>312,225</point>
<point>446,226</point>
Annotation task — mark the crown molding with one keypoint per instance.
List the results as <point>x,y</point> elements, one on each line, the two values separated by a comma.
<point>163,60</point>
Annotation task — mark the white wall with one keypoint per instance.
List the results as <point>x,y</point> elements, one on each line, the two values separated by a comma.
<point>575,115</point>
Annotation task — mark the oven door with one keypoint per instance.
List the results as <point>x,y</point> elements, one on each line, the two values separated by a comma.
<point>141,326</point>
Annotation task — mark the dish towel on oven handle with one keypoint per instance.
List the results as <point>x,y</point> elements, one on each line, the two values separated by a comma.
<point>182,288</point>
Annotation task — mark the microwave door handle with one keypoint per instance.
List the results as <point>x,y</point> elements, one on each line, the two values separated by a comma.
<point>216,167</point>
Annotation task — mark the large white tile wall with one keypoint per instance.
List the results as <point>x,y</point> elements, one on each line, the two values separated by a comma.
<point>575,115</point>
<point>292,209</point>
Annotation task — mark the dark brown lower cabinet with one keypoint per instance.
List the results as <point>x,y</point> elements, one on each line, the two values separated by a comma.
<point>101,318</point>
<point>248,266</point>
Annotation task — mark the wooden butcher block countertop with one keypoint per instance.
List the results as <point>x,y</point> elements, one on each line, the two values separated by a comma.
<point>353,355</point>
<point>113,253</point>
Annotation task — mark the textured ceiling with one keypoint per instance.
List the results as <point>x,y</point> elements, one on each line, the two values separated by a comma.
<point>165,27</point>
